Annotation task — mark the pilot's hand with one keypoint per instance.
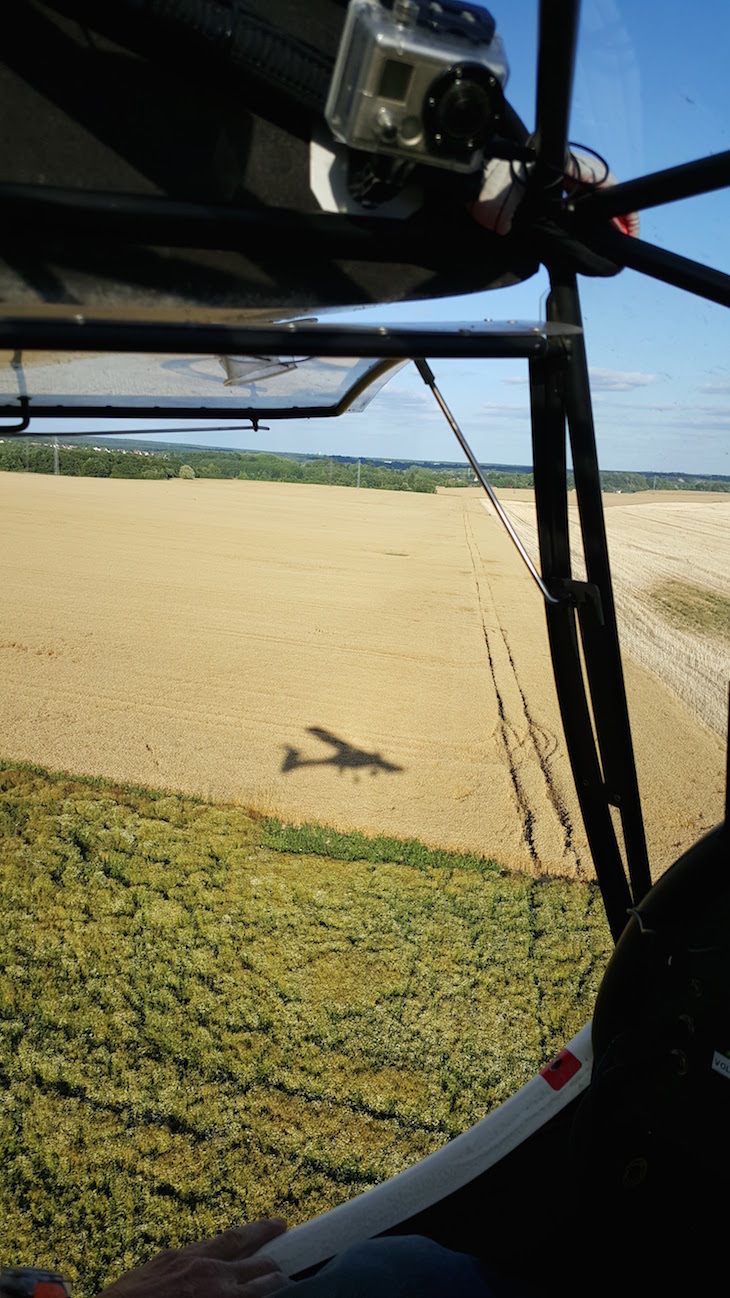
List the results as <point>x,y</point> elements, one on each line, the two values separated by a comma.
<point>216,1268</point>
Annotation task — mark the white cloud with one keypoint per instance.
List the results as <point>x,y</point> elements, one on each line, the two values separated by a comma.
<point>718,386</point>
<point>403,404</point>
<point>505,409</point>
<point>605,380</point>
<point>673,412</point>
<point>619,380</point>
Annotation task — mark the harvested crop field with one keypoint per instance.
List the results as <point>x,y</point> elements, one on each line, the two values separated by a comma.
<point>671,563</point>
<point>371,660</point>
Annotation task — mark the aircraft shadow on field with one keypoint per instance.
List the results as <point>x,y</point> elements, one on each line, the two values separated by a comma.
<point>344,756</point>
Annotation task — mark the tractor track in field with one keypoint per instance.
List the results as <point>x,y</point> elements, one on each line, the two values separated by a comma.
<point>545,745</point>
<point>536,744</point>
<point>507,734</point>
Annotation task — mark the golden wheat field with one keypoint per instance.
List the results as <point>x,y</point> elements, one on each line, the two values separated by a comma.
<point>370,660</point>
<point>670,559</point>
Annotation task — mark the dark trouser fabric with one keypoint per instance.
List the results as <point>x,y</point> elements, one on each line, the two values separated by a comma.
<point>401,1266</point>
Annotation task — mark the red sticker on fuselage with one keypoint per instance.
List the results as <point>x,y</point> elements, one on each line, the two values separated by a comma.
<point>560,1069</point>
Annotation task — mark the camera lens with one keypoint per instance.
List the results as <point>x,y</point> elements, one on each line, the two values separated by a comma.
<point>461,110</point>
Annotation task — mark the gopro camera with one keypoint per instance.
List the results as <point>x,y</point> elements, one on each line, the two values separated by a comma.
<point>418,80</point>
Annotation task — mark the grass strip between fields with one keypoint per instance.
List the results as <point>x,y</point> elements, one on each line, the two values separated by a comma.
<point>320,840</point>
<point>692,608</point>
<point>197,1029</point>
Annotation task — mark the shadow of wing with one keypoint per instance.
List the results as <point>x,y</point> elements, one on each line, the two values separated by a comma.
<point>328,738</point>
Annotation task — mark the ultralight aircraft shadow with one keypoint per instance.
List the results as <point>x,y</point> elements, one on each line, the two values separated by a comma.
<point>345,756</point>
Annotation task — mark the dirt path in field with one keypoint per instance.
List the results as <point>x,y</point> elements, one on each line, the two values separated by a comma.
<point>372,660</point>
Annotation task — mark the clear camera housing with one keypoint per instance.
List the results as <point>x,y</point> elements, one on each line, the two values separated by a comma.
<point>421,81</point>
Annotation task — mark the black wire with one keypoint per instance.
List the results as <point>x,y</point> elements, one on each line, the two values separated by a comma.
<point>558,177</point>
<point>588,184</point>
<point>516,179</point>
<point>585,184</point>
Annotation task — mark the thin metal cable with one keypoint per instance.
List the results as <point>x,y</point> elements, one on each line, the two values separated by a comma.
<point>427,375</point>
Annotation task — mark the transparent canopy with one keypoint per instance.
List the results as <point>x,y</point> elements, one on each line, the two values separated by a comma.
<point>78,381</point>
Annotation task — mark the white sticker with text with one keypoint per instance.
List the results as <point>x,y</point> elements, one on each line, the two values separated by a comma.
<point>721,1064</point>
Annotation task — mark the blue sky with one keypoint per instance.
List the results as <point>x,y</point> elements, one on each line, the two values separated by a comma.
<point>650,92</point>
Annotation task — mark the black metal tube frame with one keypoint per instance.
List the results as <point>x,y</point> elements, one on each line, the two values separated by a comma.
<point>100,218</point>
<point>84,333</point>
<point>397,342</point>
<point>558,36</point>
<point>602,762</point>
<point>550,477</point>
<point>105,219</point>
<point>599,633</point>
<point>701,176</point>
<point>669,267</point>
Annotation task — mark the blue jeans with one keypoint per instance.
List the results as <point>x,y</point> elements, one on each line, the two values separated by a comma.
<point>402,1266</point>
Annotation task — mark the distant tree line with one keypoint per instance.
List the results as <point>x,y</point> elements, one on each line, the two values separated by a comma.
<point>612,480</point>
<point>82,460</point>
<point>24,456</point>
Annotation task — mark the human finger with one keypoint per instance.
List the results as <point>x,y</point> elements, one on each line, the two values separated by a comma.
<point>249,1268</point>
<point>263,1285</point>
<point>242,1241</point>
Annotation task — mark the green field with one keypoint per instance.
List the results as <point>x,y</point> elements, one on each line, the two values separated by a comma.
<point>204,1022</point>
<point>691,607</point>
